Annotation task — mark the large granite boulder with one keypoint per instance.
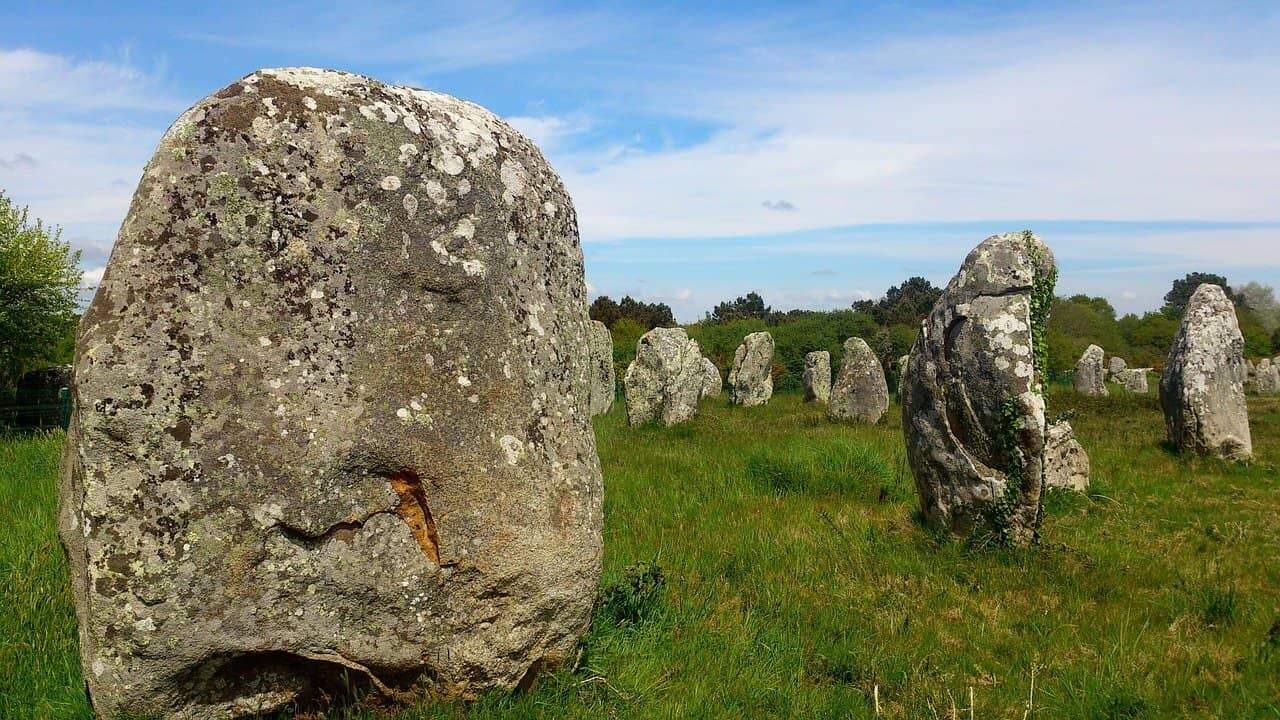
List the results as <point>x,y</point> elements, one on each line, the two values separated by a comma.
<point>1066,464</point>
<point>859,392</point>
<point>751,378</point>
<point>1133,380</point>
<point>712,383</point>
<point>331,425</point>
<point>1090,378</point>
<point>817,376</point>
<point>665,381</point>
<point>1115,366</point>
<point>972,405</point>
<point>604,386</point>
<point>1202,389</point>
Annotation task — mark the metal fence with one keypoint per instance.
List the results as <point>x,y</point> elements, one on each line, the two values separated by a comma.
<point>36,410</point>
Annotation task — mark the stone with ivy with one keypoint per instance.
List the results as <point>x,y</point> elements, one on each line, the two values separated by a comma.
<point>860,392</point>
<point>973,408</point>
<point>332,429</point>
<point>1090,376</point>
<point>1202,387</point>
<point>817,376</point>
<point>751,378</point>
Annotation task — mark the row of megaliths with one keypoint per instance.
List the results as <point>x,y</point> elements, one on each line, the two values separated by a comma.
<point>332,411</point>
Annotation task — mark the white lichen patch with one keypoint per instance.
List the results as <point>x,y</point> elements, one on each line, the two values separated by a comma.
<point>465,229</point>
<point>514,178</point>
<point>390,183</point>
<point>436,192</point>
<point>410,206</point>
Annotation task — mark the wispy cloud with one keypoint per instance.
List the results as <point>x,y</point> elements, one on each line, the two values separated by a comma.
<point>779,205</point>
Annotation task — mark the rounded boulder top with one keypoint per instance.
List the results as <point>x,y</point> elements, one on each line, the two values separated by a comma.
<point>332,417</point>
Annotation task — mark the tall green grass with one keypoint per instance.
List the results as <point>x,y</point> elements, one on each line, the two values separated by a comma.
<point>766,562</point>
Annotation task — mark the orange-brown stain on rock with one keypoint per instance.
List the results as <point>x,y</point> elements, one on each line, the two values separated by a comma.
<point>414,511</point>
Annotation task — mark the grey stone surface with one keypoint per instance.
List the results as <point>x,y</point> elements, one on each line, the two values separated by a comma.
<point>751,378</point>
<point>712,383</point>
<point>604,386</point>
<point>859,392</point>
<point>1115,366</point>
<point>1202,389</point>
<point>1066,464</point>
<point>1090,378</point>
<point>901,369</point>
<point>332,409</point>
<point>1265,378</point>
<point>1133,380</point>
<point>817,376</point>
<point>972,403</point>
<point>665,381</point>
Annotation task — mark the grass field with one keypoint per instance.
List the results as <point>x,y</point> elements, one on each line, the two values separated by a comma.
<point>799,584</point>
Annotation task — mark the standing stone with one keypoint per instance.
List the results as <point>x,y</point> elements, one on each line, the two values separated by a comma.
<point>817,376</point>
<point>1066,464</point>
<point>604,386</point>
<point>1201,389</point>
<point>666,379</point>
<point>331,422</point>
<point>973,404</point>
<point>1250,377</point>
<point>711,381</point>
<point>751,379</point>
<point>1115,366</point>
<point>1266,377</point>
<point>902,373</point>
<point>860,392</point>
<point>1133,380</point>
<point>1089,378</point>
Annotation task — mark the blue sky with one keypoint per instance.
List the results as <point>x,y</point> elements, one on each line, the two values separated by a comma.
<point>814,152</point>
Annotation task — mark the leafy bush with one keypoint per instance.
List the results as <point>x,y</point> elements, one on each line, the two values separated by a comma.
<point>633,598</point>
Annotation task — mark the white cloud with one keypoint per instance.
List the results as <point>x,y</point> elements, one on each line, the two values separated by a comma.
<point>93,276</point>
<point>33,79</point>
<point>1144,124</point>
<point>548,132</point>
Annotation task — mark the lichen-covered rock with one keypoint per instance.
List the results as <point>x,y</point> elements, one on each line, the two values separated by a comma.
<point>972,404</point>
<point>1066,464</point>
<point>1115,366</point>
<point>751,379</point>
<point>331,420</point>
<point>712,383</point>
<point>603,384</point>
<point>1090,379</point>
<point>859,392</point>
<point>1133,380</point>
<point>817,376</point>
<point>666,379</point>
<point>1202,390</point>
<point>1265,378</point>
<point>901,369</point>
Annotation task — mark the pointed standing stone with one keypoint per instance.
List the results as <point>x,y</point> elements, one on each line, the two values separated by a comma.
<point>751,379</point>
<point>1115,366</point>
<point>711,381</point>
<point>1089,377</point>
<point>604,386</point>
<point>1202,390</point>
<point>972,403</point>
<point>817,376</point>
<point>860,392</point>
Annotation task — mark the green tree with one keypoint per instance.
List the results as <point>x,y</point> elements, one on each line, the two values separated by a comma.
<point>650,315</point>
<point>1175,301</point>
<point>1261,299</point>
<point>904,304</point>
<point>751,307</point>
<point>39,284</point>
